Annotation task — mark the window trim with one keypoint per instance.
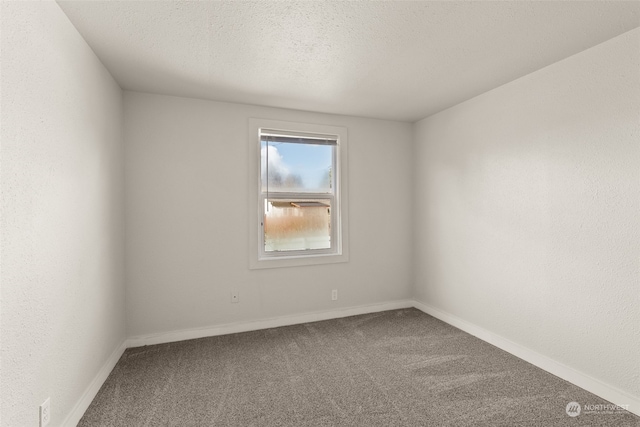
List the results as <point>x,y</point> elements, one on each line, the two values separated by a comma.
<point>258,259</point>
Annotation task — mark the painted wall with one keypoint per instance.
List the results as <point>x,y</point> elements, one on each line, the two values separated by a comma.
<point>62,306</point>
<point>187,217</point>
<point>527,201</point>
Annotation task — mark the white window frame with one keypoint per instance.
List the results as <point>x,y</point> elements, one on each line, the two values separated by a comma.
<point>339,251</point>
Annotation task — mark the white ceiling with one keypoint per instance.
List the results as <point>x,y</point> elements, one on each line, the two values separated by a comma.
<point>394,60</point>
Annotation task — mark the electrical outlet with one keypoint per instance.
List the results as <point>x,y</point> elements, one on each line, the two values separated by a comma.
<point>334,295</point>
<point>45,412</point>
<point>235,296</point>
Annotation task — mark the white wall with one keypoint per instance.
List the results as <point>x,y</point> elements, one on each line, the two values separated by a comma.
<point>187,218</point>
<point>527,203</point>
<point>62,306</point>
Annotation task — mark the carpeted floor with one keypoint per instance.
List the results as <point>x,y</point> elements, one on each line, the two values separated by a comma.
<point>395,368</point>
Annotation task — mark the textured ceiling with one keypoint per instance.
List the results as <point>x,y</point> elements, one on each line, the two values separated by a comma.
<point>394,60</point>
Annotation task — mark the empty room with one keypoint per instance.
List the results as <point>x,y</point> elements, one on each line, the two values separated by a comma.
<point>319,213</point>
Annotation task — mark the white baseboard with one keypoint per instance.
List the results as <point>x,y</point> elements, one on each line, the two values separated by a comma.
<point>254,325</point>
<point>582,380</point>
<point>90,393</point>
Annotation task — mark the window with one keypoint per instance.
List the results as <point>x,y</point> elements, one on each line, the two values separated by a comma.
<point>298,194</point>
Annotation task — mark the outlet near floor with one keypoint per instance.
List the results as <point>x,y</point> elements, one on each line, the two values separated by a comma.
<point>334,295</point>
<point>45,412</point>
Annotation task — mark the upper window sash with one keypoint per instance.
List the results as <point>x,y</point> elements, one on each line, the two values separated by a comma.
<point>318,175</point>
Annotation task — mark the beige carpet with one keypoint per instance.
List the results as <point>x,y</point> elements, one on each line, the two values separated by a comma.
<point>395,368</point>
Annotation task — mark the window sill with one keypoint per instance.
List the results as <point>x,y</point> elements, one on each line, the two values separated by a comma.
<point>297,261</point>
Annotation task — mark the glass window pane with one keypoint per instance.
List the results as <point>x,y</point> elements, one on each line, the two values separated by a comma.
<point>296,225</point>
<point>297,167</point>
